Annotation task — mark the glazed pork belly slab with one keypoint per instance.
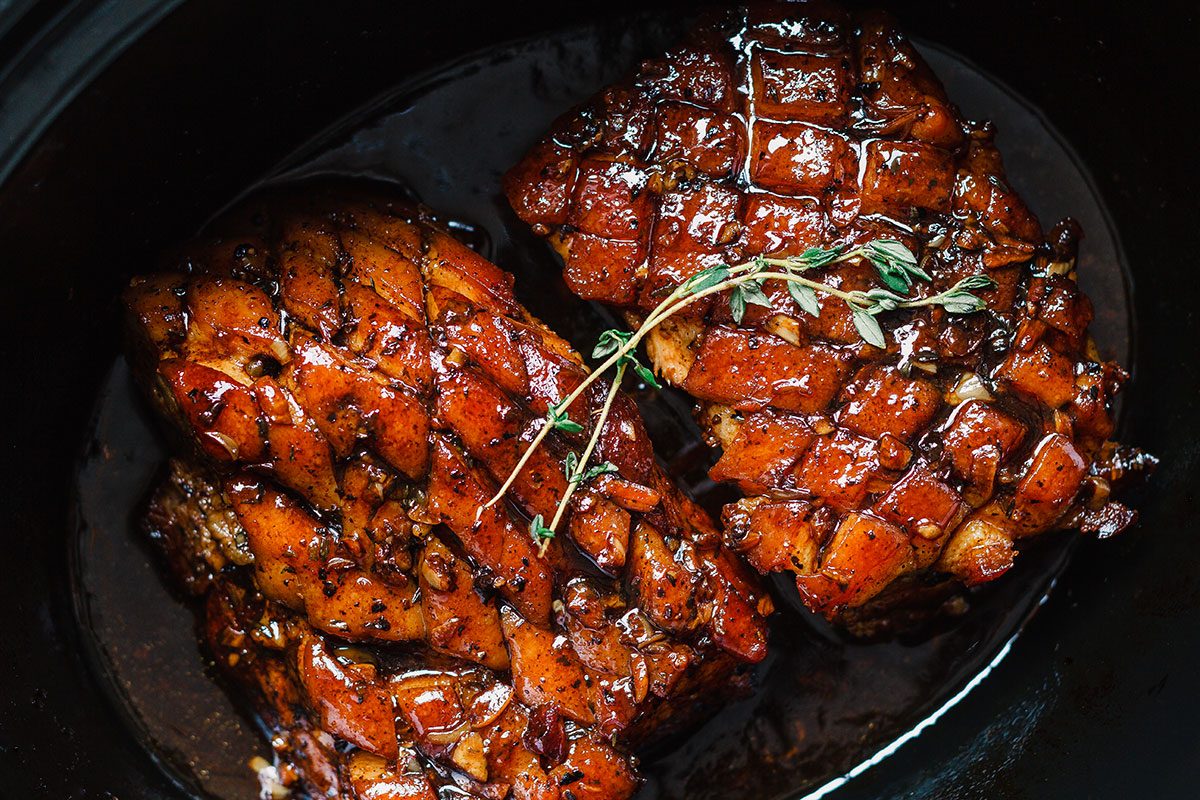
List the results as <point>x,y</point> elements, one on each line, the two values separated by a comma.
<point>800,132</point>
<point>349,385</point>
<point>358,720</point>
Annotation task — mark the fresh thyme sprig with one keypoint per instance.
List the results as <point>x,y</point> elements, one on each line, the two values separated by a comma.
<point>541,534</point>
<point>557,418</point>
<point>575,472</point>
<point>613,340</point>
<point>576,468</point>
<point>895,264</point>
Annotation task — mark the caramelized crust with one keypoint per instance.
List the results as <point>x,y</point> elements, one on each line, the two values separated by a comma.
<point>786,126</point>
<point>351,723</point>
<point>359,383</point>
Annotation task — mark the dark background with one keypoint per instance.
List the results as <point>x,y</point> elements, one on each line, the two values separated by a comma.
<point>105,161</point>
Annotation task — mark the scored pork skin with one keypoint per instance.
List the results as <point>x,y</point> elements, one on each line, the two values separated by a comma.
<point>786,126</point>
<point>362,382</point>
<point>349,720</point>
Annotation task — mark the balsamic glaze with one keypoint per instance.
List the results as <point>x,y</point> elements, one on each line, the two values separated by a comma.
<point>824,703</point>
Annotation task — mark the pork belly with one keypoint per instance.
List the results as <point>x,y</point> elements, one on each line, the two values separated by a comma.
<point>348,385</point>
<point>783,127</point>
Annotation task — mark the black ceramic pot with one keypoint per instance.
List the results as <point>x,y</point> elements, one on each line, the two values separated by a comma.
<point>125,125</point>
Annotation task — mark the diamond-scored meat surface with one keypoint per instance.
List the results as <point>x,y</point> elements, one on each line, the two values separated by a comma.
<point>788,126</point>
<point>313,695</point>
<point>349,720</point>
<point>350,384</point>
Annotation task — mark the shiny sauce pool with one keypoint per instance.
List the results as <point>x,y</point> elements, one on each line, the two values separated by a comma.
<point>825,705</point>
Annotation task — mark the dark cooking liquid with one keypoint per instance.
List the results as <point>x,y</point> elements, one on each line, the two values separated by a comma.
<point>824,704</point>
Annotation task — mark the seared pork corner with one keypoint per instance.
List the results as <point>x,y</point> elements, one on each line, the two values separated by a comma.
<point>351,722</point>
<point>353,385</point>
<point>800,132</point>
<point>195,526</point>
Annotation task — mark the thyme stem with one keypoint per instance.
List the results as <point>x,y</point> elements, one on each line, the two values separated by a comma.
<point>512,476</point>
<point>572,481</point>
<point>895,264</point>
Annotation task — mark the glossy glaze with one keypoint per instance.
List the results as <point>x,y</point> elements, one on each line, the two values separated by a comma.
<point>852,699</point>
<point>781,127</point>
<point>354,383</point>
